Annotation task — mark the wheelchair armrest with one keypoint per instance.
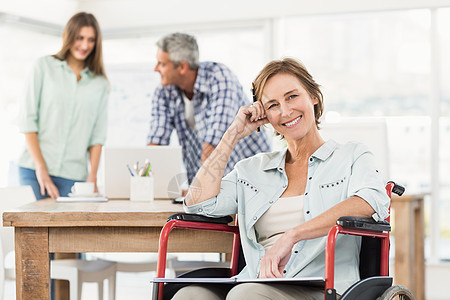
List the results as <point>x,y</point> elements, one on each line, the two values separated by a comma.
<point>363,223</point>
<point>397,188</point>
<point>200,218</point>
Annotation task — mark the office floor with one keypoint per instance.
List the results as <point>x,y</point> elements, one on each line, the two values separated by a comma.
<point>137,286</point>
<point>129,286</point>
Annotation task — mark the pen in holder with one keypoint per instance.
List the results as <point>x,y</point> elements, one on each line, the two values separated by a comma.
<point>141,188</point>
<point>141,183</point>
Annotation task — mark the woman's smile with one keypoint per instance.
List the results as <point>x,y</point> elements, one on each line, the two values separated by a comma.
<point>293,122</point>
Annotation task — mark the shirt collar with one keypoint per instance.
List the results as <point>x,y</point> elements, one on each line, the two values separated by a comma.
<point>84,72</point>
<point>325,150</point>
<point>200,85</point>
<point>276,159</point>
<point>87,72</point>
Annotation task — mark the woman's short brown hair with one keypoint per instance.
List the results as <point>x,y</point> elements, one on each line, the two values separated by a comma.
<point>295,68</point>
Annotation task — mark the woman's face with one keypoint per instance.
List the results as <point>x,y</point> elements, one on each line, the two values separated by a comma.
<point>288,106</point>
<point>84,43</point>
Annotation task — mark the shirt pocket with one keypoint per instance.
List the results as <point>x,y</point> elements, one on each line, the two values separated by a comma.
<point>247,192</point>
<point>333,192</point>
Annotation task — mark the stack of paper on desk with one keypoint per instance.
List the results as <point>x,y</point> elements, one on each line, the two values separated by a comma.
<point>82,199</point>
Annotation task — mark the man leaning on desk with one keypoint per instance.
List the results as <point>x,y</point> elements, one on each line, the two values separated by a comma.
<point>199,100</point>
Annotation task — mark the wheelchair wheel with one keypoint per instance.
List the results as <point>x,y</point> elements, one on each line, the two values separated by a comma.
<point>397,292</point>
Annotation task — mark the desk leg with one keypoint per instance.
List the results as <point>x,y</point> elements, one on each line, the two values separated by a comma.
<point>62,289</point>
<point>404,266</point>
<point>32,263</point>
<point>419,262</point>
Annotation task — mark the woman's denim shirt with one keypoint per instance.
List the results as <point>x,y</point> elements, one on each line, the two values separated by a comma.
<point>335,173</point>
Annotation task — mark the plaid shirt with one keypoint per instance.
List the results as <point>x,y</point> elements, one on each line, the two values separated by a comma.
<point>218,95</point>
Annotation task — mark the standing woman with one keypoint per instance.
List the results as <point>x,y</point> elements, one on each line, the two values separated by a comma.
<point>64,113</point>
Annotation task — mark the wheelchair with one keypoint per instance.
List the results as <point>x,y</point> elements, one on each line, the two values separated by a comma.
<point>375,283</point>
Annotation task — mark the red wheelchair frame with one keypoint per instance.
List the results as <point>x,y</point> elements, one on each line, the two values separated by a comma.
<point>374,285</point>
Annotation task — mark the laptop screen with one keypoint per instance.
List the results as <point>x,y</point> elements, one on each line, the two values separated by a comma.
<point>166,166</point>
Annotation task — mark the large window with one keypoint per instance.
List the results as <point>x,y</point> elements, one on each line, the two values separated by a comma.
<point>443,23</point>
<point>242,50</point>
<point>444,48</point>
<point>369,64</point>
<point>379,65</point>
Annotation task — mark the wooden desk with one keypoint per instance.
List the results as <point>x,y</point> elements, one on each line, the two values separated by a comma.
<point>47,226</point>
<point>409,243</point>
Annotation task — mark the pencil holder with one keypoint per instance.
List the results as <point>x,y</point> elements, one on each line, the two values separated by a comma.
<point>141,188</point>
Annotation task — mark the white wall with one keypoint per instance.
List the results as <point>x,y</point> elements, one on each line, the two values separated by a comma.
<point>52,11</point>
<point>143,13</point>
<point>150,13</point>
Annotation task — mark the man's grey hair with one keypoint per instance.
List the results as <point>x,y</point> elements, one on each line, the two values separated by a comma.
<point>181,47</point>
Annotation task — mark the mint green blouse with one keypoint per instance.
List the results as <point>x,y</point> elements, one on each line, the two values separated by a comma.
<point>69,116</point>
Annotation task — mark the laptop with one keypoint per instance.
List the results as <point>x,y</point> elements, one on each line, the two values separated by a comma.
<point>167,170</point>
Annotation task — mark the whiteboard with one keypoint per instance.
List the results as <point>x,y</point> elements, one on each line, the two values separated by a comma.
<point>129,106</point>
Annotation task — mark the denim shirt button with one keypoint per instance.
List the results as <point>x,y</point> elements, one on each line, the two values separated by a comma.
<point>255,218</point>
<point>200,209</point>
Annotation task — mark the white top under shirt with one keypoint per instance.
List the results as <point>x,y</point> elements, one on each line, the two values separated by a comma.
<point>189,111</point>
<point>283,215</point>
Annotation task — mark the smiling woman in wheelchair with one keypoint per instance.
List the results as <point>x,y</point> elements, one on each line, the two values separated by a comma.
<point>287,200</point>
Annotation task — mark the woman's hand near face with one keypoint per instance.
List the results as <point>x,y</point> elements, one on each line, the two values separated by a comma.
<point>206,183</point>
<point>274,261</point>
<point>248,119</point>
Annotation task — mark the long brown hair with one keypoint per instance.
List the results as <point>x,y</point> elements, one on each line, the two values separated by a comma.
<point>95,59</point>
